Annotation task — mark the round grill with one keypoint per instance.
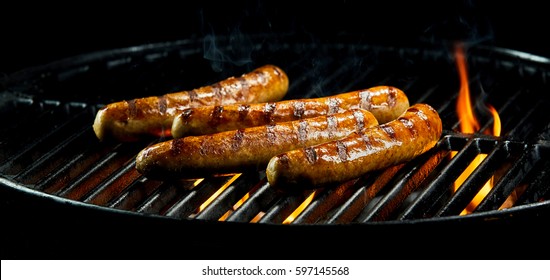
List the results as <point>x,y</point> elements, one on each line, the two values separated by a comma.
<point>50,154</point>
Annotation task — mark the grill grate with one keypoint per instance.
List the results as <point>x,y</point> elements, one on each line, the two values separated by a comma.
<point>48,144</point>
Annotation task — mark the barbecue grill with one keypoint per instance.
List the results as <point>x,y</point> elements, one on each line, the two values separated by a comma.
<point>67,190</point>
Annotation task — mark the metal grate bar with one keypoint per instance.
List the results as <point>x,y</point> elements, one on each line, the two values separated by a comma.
<point>54,159</point>
<point>475,181</point>
<point>326,200</point>
<point>135,194</point>
<point>73,169</point>
<point>100,172</point>
<point>537,188</point>
<point>198,194</point>
<point>264,196</point>
<point>371,184</point>
<point>503,109</point>
<point>112,187</point>
<point>525,128</point>
<point>511,179</point>
<point>37,118</point>
<point>225,201</point>
<point>284,206</point>
<point>19,110</point>
<point>408,180</point>
<point>163,198</point>
<point>439,188</point>
<point>42,145</point>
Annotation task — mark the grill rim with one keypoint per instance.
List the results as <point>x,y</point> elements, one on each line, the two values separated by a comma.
<point>543,206</point>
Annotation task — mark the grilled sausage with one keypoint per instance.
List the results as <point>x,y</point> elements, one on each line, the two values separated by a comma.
<point>413,133</point>
<point>384,102</point>
<point>247,148</point>
<point>130,120</point>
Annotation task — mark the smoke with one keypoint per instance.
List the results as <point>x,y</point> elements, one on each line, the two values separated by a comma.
<point>462,22</point>
<point>236,50</point>
<point>228,29</point>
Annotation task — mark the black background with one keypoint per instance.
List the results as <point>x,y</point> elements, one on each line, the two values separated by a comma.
<point>34,34</point>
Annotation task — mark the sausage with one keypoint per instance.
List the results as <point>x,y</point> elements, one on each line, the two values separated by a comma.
<point>247,148</point>
<point>385,102</point>
<point>132,120</point>
<point>416,131</point>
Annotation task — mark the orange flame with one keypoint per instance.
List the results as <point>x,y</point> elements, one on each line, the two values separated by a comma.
<point>470,124</point>
<point>238,204</point>
<point>218,192</point>
<point>464,108</point>
<point>300,208</point>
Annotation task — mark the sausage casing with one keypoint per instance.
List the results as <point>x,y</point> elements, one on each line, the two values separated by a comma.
<point>247,148</point>
<point>131,120</point>
<point>416,131</point>
<point>385,102</point>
